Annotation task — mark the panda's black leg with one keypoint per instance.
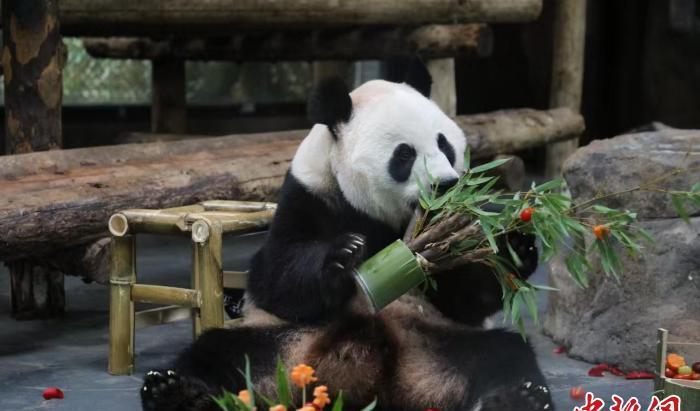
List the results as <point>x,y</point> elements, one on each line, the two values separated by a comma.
<point>166,390</point>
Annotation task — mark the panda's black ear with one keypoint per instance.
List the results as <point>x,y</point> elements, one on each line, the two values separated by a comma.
<point>418,77</point>
<point>330,103</point>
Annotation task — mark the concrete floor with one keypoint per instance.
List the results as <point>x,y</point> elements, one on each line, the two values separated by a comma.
<point>71,352</point>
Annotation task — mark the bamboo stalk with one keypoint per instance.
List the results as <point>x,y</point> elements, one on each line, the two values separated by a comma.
<point>235,279</point>
<point>242,206</point>
<point>158,294</point>
<point>437,232</point>
<point>208,274</point>
<point>155,221</point>
<point>121,308</point>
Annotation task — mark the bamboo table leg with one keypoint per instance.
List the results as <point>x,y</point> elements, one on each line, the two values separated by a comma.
<point>121,309</point>
<point>208,274</point>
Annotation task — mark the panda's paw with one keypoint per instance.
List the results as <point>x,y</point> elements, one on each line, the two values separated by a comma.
<point>526,250</point>
<point>346,253</point>
<point>166,390</point>
<point>528,396</point>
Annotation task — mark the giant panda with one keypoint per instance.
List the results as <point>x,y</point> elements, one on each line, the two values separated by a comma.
<point>350,191</point>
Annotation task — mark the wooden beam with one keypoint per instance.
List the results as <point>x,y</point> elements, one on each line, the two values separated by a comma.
<point>430,42</point>
<point>33,56</point>
<point>121,17</point>
<point>57,199</point>
<point>567,73</point>
<point>160,294</point>
<point>168,105</point>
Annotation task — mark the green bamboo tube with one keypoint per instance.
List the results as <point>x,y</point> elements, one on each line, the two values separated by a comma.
<point>208,273</point>
<point>389,274</point>
<point>121,307</point>
<point>158,294</point>
<point>241,206</point>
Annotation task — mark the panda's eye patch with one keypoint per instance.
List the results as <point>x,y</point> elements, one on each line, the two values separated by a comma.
<point>401,162</point>
<point>446,148</point>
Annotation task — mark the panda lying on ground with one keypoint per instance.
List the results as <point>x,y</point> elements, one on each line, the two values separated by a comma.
<point>350,192</point>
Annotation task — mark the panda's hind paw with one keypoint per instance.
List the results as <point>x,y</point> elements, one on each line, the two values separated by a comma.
<point>160,390</point>
<point>527,396</point>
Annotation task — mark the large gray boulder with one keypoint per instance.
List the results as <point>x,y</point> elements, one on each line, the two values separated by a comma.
<point>617,164</point>
<point>616,322</point>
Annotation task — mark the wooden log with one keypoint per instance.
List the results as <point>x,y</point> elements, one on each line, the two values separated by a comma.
<point>430,42</point>
<point>119,17</point>
<point>32,58</point>
<point>57,199</point>
<point>567,73</point>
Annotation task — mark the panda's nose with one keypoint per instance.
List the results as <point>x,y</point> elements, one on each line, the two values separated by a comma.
<point>445,185</point>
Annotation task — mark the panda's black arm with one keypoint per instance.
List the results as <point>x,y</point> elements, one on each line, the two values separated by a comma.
<point>471,293</point>
<point>295,275</point>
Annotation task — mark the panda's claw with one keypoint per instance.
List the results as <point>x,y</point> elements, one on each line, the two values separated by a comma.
<point>528,396</point>
<point>160,389</point>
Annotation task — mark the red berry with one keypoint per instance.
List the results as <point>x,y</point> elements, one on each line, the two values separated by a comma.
<point>53,392</point>
<point>559,350</point>
<point>577,393</point>
<point>526,214</point>
<point>669,373</point>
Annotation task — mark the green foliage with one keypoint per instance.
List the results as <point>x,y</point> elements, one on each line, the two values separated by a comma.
<point>558,224</point>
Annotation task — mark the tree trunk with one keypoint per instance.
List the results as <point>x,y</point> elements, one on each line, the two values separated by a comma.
<point>119,17</point>
<point>32,58</point>
<point>364,43</point>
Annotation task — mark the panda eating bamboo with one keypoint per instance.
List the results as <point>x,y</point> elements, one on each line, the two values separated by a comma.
<point>351,191</point>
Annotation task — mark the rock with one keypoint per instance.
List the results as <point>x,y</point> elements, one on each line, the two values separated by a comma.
<point>617,322</point>
<point>613,165</point>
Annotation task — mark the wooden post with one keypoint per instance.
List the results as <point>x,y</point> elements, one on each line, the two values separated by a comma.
<point>567,72</point>
<point>32,58</point>
<point>207,274</point>
<point>444,92</point>
<point>121,307</point>
<point>168,105</point>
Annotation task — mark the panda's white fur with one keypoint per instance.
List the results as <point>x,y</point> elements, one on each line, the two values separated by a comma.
<point>339,202</point>
<point>384,115</point>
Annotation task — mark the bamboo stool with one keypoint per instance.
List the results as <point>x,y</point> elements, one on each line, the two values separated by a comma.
<point>205,222</point>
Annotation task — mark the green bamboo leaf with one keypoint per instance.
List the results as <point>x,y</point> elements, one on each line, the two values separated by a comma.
<point>521,329</point>
<point>530,299</point>
<point>677,202</point>
<point>540,287</point>
<point>489,165</point>
<point>338,404</point>
<point>249,381</point>
<point>284,394</point>
<point>514,256</point>
<point>549,185</point>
